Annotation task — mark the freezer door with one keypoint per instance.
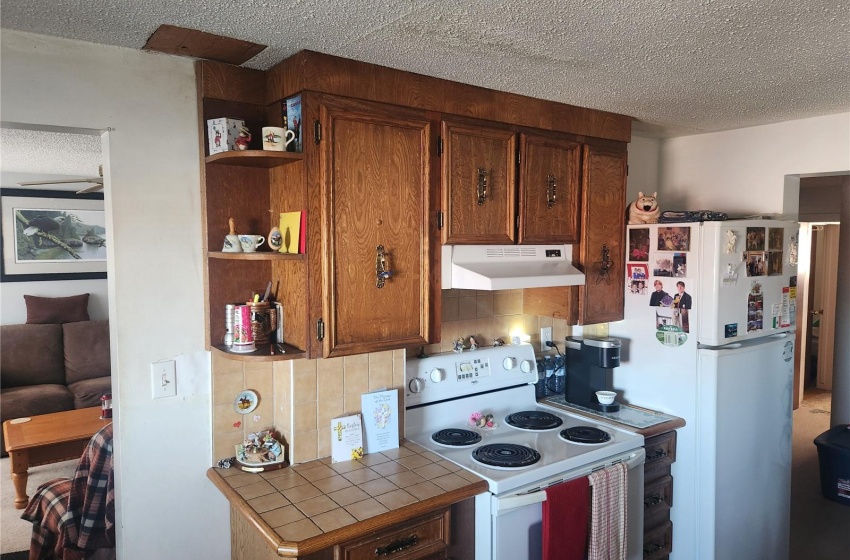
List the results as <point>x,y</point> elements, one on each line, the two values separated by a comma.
<point>744,449</point>
<point>748,278</point>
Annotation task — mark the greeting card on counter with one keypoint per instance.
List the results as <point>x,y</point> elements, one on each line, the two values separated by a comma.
<point>380,420</point>
<point>346,438</point>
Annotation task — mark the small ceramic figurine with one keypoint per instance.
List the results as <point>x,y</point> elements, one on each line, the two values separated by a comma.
<point>731,238</point>
<point>458,346</point>
<point>498,342</point>
<point>244,139</point>
<point>473,344</point>
<point>644,209</point>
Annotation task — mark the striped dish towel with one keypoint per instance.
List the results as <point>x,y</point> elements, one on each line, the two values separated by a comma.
<point>608,513</point>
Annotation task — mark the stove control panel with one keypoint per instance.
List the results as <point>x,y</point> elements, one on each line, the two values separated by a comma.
<point>450,374</point>
<point>471,370</point>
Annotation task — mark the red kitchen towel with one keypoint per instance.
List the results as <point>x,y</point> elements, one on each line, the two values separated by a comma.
<point>608,523</point>
<point>565,515</point>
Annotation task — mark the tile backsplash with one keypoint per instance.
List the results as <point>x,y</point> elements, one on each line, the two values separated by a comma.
<point>299,398</point>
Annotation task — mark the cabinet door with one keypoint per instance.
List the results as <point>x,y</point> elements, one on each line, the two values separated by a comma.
<point>548,189</point>
<point>603,235</point>
<point>375,166</point>
<point>478,183</point>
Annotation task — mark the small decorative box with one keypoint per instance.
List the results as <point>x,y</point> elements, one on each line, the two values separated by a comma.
<point>222,134</point>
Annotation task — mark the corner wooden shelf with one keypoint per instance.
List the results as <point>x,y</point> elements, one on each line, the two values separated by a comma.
<point>263,354</point>
<point>258,256</point>
<point>254,158</point>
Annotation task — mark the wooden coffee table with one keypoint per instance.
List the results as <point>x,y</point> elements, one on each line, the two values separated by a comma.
<point>47,438</point>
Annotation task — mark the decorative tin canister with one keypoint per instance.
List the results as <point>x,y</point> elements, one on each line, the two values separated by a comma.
<point>243,333</point>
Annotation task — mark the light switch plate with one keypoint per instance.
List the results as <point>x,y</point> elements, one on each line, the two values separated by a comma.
<point>163,379</point>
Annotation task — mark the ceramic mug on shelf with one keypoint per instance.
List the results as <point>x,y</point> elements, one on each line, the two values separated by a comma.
<point>251,243</point>
<point>276,138</point>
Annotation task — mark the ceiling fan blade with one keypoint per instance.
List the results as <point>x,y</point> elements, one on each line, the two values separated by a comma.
<point>91,188</point>
<point>97,180</point>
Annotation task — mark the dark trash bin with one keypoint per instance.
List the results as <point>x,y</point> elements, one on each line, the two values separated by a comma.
<point>834,458</point>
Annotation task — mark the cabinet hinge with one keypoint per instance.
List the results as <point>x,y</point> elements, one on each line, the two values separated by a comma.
<point>320,330</point>
<point>439,220</point>
<point>516,222</point>
<point>518,157</point>
<point>439,145</point>
<point>317,132</point>
<point>627,170</point>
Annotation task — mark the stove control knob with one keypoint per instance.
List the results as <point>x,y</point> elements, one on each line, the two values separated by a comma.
<point>526,366</point>
<point>509,363</point>
<point>437,375</point>
<point>416,385</point>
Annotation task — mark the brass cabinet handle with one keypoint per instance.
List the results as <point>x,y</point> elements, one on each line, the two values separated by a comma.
<point>482,185</point>
<point>551,185</point>
<point>396,546</point>
<point>382,270</point>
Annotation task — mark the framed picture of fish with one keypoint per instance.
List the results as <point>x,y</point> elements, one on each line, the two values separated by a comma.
<point>52,235</point>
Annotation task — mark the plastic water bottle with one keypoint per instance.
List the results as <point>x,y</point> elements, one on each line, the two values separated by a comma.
<point>540,387</point>
<point>559,377</point>
<point>550,375</point>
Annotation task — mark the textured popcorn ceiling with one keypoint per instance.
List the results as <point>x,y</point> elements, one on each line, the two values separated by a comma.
<point>677,66</point>
<point>37,155</point>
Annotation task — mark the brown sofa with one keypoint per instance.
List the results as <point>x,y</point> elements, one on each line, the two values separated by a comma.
<point>52,368</point>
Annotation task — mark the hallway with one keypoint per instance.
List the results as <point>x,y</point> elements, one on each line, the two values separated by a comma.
<point>820,528</point>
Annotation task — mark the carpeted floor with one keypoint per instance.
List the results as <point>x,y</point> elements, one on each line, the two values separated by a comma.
<point>820,528</point>
<point>14,531</point>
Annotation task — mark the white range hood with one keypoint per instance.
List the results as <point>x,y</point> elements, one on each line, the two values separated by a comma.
<point>507,267</point>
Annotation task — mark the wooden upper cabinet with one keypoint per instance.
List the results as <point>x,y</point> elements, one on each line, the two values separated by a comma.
<point>375,163</point>
<point>602,247</point>
<point>478,183</point>
<point>548,189</point>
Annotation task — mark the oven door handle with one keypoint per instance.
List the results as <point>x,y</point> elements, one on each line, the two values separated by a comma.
<point>505,503</point>
<point>522,500</point>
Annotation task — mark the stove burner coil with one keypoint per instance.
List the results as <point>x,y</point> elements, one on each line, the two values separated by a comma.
<point>505,455</point>
<point>533,420</point>
<point>456,437</point>
<point>585,434</point>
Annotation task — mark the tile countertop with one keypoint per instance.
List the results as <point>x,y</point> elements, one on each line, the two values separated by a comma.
<point>311,506</point>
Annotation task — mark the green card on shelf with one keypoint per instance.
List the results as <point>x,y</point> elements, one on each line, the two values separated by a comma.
<point>380,420</point>
<point>290,230</point>
<point>346,438</point>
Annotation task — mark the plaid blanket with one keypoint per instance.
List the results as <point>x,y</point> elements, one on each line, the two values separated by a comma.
<point>72,518</point>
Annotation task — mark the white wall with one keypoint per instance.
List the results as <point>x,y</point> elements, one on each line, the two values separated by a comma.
<point>742,171</point>
<point>644,167</point>
<point>166,506</point>
<point>13,310</point>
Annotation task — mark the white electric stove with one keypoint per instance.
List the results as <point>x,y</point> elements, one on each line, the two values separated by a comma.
<point>529,446</point>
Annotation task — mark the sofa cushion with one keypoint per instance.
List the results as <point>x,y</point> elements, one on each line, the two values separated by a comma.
<point>18,402</point>
<point>88,391</point>
<point>86,350</point>
<point>41,310</point>
<point>31,355</point>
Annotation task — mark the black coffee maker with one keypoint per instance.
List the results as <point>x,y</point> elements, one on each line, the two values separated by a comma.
<point>589,364</point>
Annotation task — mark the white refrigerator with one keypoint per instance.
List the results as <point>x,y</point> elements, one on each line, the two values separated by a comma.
<point>710,310</point>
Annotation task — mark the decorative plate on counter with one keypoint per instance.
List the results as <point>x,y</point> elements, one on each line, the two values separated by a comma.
<point>246,402</point>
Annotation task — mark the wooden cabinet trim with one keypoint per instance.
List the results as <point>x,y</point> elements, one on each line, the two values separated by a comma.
<point>334,75</point>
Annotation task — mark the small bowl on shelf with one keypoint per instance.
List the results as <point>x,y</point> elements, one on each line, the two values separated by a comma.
<point>605,397</point>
